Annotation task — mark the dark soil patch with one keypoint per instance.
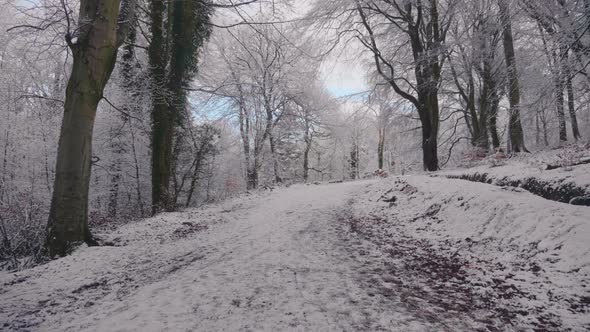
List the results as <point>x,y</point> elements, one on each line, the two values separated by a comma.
<point>436,283</point>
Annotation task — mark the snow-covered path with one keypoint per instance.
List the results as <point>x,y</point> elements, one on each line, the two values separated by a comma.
<point>403,254</point>
<point>274,269</point>
<point>274,263</point>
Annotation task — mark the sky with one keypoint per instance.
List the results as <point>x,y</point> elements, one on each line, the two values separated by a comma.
<point>342,71</point>
<point>344,75</point>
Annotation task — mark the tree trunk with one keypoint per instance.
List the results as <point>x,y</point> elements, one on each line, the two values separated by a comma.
<point>559,100</point>
<point>427,71</point>
<point>115,172</point>
<point>162,134</point>
<point>430,124</point>
<point>252,177</point>
<point>570,95</point>
<point>487,105</point>
<point>308,139</point>
<point>132,106</point>
<point>244,119</point>
<point>494,126</point>
<point>173,58</point>
<point>94,56</point>
<point>137,174</point>
<point>494,103</point>
<point>275,159</point>
<point>537,129</point>
<point>162,119</point>
<point>194,179</point>
<point>545,130</point>
<point>430,150</point>
<point>117,144</point>
<point>515,126</point>
<point>381,148</point>
<point>306,161</point>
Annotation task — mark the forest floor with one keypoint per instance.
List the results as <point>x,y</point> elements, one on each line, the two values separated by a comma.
<point>413,253</point>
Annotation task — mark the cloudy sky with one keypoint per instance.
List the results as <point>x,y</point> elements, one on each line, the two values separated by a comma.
<point>344,74</point>
<point>342,71</point>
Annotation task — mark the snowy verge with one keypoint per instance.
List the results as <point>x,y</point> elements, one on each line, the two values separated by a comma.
<point>530,172</point>
<point>141,252</point>
<point>524,256</point>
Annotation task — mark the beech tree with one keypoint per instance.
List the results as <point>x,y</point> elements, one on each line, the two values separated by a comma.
<point>515,126</point>
<point>103,25</point>
<point>561,38</point>
<point>424,32</point>
<point>382,106</point>
<point>476,71</point>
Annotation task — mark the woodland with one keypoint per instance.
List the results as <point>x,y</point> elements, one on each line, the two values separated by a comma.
<point>118,110</point>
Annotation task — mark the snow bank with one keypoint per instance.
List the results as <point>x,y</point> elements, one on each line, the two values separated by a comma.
<point>143,252</point>
<point>530,172</point>
<point>537,247</point>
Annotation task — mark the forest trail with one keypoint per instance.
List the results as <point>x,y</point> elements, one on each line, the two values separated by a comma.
<point>274,263</point>
<point>278,267</point>
<point>331,257</point>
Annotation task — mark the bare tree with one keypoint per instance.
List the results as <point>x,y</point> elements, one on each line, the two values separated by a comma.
<point>424,31</point>
<point>475,71</point>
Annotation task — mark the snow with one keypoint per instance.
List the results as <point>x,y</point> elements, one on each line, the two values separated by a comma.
<point>324,257</point>
<point>265,262</point>
<point>532,165</point>
<point>537,247</point>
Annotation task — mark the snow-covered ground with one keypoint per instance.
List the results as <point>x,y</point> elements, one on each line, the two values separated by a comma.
<point>400,254</point>
<point>552,169</point>
<point>507,257</point>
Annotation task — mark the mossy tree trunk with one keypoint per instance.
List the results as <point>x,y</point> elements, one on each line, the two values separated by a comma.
<point>173,55</point>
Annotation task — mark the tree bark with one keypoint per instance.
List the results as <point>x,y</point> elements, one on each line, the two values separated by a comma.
<point>94,56</point>
<point>308,138</point>
<point>570,95</point>
<point>194,179</point>
<point>517,143</point>
<point>559,99</point>
<point>117,145</point>
<point>493,125</point>
<point>275,159</point>
<point>381,148</point>
<point>430,149</point>
<point>162,120</point>
<point>353,162</point>
<point>173,60</point>
<point>114,172</point>
<point>306,160</point>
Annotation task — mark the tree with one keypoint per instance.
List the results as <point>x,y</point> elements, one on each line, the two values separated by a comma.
<point>475,71</point>
<point>515,126</point>
<point>563,39</point>
<point>380,103</point>
<point>261,66</point>
<point>102,27</point>
<point>310,110</point>
<point>425,32</point>
<point>173,54</point>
